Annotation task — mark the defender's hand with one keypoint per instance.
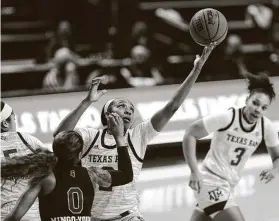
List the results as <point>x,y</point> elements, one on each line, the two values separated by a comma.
<point>93,94</point>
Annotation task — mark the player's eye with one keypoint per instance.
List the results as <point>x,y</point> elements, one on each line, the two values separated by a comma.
<point>264,108</point>
<point>121,105</point>
<point>255,103</point>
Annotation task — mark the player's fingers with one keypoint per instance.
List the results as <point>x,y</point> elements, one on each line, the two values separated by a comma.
<point>113,120</point>
<point>109,121</point>
<point>117,119</point>
<point>212,45</point>
<point>99,79</point>
<point>191,184</point>
<point>196,186</point>
<point>102,92</point>
<point>96,81</point>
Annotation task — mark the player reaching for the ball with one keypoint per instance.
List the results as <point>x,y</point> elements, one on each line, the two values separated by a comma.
<point>237,134</point>
<point>121,203</point>
<point>65,190</point>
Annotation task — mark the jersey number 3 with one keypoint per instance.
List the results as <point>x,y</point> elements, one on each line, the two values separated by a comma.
<point>75,200</point>
<point>239,153</point>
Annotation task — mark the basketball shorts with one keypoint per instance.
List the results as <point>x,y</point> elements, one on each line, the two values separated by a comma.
<point>215,195</point>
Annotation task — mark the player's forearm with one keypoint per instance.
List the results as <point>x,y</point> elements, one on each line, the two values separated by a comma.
<point>124,174</point>
<point>189,151</point>
<point>69,122</point>
<point>9,218</point>
<point>161,118</point>
<point>185,88</point>
<point>13,217</point>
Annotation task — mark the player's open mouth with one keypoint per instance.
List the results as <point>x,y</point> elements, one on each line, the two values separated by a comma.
<point>126,120</point>
<point>254,116</point>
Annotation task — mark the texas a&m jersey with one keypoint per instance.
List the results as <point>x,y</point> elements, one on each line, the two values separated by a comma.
<point>232,144</point>
<point>100,151</point>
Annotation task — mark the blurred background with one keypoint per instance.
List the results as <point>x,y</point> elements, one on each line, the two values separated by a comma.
<point>51,50</point>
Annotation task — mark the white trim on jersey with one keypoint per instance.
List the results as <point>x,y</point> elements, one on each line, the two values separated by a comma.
<point>6,112</point>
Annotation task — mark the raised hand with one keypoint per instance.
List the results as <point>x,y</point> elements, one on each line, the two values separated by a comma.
<point>93,94</point>
<point>115,125</point>
<point>200,60</point>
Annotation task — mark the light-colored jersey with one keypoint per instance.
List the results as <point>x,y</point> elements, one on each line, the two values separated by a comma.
<point>232,144</point>
<point>111,202</point>
<point>11,146</point>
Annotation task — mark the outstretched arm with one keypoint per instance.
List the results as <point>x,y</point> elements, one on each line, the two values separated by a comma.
<point>161,118</point>
<point>25,202</point>
<point>71,120</point>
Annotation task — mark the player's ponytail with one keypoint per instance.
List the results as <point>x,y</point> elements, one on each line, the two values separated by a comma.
<point>32,166</point>
<point>66,149</point>
<point>261,83</point>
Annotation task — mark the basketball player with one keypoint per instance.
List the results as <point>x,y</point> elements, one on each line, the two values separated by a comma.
<point>67,192</point>
<point>236,135</point>
<point>121,203</point>
<point>15,144</point>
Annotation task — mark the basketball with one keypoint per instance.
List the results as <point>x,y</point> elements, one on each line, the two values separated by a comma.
<point>208,25</point>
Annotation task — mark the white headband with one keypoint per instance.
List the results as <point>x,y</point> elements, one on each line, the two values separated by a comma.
<point>107,105</point>
<point>6,112</point>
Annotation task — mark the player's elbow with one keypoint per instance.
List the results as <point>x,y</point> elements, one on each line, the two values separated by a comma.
<point>191,133</point>
<point>129,177</point>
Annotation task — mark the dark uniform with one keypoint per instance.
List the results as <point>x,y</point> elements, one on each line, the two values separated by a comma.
<point>72,197</point>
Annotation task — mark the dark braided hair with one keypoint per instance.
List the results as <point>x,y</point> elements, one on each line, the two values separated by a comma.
<point>66,146</point>
<point>261,83</point>
<point>34,165</point>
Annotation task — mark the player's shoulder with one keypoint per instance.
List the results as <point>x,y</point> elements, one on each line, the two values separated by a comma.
<point>140,126</point>
<point>32,140</point>
<point>267,123</point>
<point>87,130</point>
<point>228,114</point>
<point>48,183</point>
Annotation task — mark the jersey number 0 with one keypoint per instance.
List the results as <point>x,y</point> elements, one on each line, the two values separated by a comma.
<point>75,200</point>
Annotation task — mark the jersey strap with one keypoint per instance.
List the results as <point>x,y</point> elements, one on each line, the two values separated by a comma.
<point>230,124</point>
<point>103,140</point>
<point>92,144</point>
<point>25,142</point>
<point>133,149</point>
<point>263,140</point>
